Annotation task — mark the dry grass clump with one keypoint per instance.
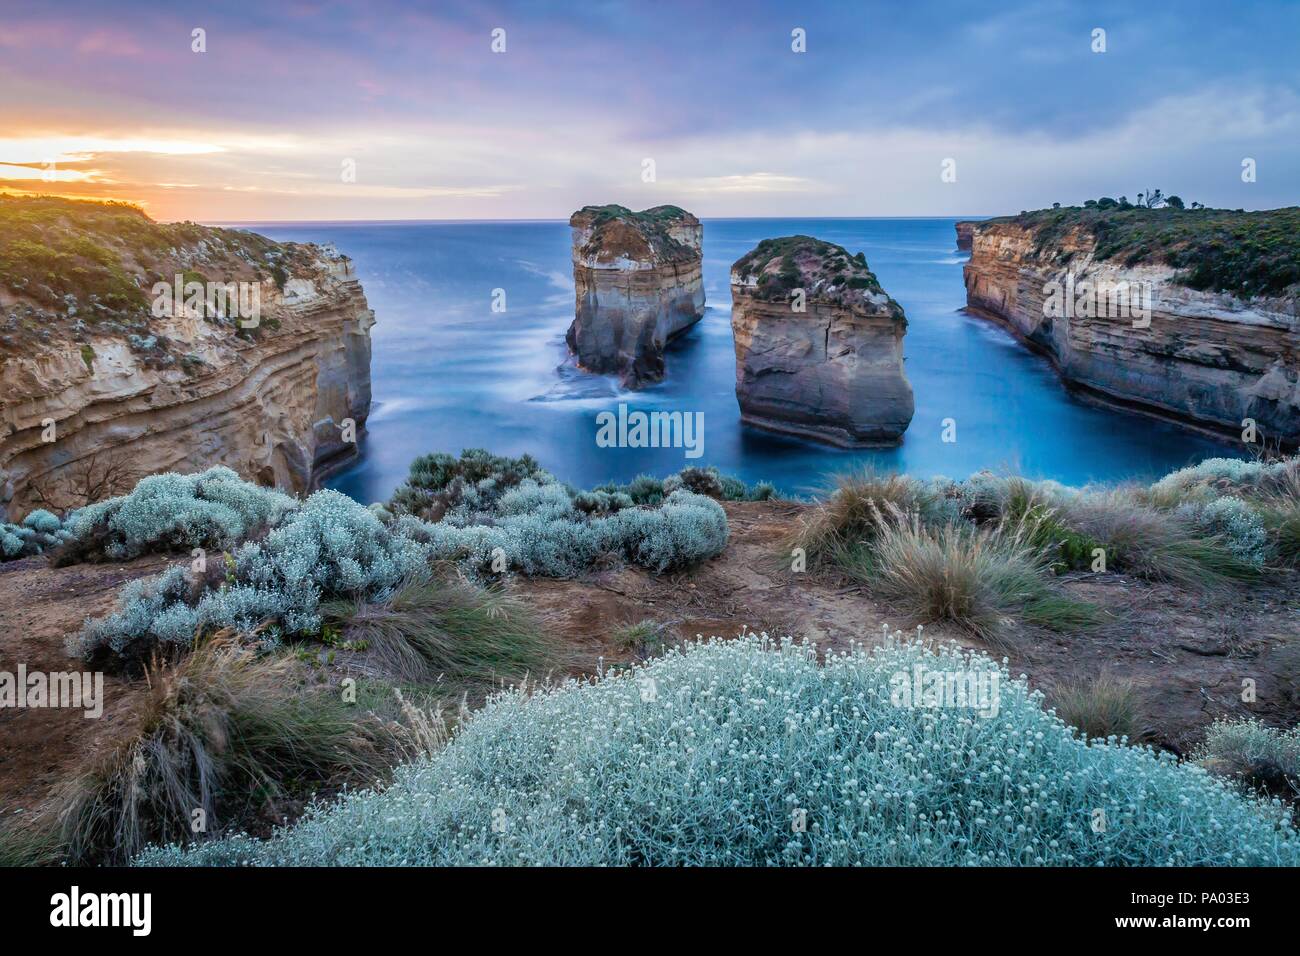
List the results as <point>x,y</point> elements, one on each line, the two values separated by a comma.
<point>446,630</point>
<point>1279,508</point>
<point>1154,544</point>
<point>978,578</point>
<point>847,516</point>
<point>1104,706</point>
<point>643,639</point>
<point>222,734</point>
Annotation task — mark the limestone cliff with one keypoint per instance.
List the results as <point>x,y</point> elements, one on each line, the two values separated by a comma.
<point>1153,309</point>
<point>102,377</point>
<point>638,283</point>
<point>819,345</point>
<point>965,234</point>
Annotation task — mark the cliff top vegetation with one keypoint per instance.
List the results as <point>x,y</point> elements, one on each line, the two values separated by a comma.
<point>618,232</point>
<point>69,268</point>
<point>826,271</point>
<point>1247,254</point>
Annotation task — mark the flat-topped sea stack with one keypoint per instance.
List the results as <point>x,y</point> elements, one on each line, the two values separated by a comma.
<point>819,345</point>
<point>965,234</point>
<point>1188,314</point>
<point>638,283</point>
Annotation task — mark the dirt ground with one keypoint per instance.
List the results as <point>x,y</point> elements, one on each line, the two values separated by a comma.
<point>1187,655</point>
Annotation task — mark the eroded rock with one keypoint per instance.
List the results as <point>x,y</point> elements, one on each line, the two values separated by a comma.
<point>1124,329</point>
<point>638,284</point>
<point>819,345</point>
<point>189,389</point>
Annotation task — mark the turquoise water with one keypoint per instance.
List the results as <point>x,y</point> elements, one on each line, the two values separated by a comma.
<point>449,373</point>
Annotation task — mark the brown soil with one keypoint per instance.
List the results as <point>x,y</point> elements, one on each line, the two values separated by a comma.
<point>1187,654</point>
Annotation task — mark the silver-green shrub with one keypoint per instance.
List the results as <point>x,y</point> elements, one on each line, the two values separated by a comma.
<point>210,509</point>
<point>742,752</point>
<point>330,546</point>
<point>1235,522</point>
<point>39,532</point>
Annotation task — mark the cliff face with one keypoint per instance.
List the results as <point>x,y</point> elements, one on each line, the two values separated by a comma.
<point>638,283</point>
<point>1201,357</point>
<point>832,372</point>
<point>965,235</point>
<point>189,389</point>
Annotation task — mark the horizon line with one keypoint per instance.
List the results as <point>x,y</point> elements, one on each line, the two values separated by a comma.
<point>295,222</point>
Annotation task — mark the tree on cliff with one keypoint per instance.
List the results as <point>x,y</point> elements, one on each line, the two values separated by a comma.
<point>1154,199</point>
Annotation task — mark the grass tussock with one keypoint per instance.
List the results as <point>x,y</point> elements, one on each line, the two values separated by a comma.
<point>848,515</point>
<point>1280,512</point>
<point>445,630</point>
<point>221,735</point>
<point>1101,707</point>
<point>978,578</point>
<point>643,639</point>
<point>1155,544</point>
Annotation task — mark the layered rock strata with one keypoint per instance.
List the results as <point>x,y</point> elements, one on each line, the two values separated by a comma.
<point>819,345</point>
<point>965,235</point>
<point>638,283</point>
<point>281,401</point>
<point>1134,334</point>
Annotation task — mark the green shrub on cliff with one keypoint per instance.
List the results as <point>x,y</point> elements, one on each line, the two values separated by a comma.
<point>1244,253</point>
<point>746,753</point>
<point>488,511</point>
<point>330,545</point>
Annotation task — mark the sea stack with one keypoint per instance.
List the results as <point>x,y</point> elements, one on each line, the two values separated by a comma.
<point>638,283</point>
<point>819,345</point>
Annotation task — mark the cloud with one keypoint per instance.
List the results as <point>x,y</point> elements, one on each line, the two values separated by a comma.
<point>745,183</point>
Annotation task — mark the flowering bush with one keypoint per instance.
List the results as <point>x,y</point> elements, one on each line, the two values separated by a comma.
<point>739,753</point>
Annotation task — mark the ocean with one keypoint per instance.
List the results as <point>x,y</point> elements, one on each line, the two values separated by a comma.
<point>451,373</point>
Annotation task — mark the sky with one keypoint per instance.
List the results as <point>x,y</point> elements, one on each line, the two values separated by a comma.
<point>377,110</point>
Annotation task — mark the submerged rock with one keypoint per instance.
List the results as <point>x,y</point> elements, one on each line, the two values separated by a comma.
<point>819,345</point>
<point>638,283</point>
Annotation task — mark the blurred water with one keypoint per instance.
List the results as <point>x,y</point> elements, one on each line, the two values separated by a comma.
<point>450,374</point>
